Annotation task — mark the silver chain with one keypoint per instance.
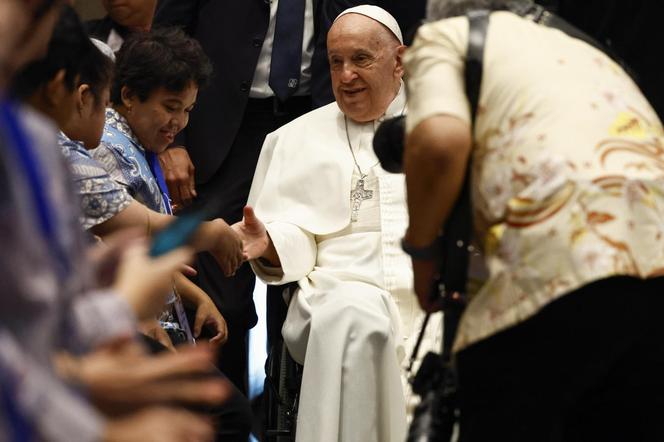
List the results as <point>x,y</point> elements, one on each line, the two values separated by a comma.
<point>350,146</point>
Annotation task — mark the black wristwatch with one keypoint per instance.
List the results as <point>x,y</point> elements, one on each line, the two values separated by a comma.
<point>427,253</point>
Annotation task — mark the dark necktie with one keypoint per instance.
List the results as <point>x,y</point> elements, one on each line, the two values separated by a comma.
<point>286,60</point>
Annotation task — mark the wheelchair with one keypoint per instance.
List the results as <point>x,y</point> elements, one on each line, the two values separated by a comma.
<point>283,376</point>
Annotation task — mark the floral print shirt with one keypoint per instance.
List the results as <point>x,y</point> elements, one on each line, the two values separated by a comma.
<point>101,197</point>
<point>568,164</point>
<point>123,156</point>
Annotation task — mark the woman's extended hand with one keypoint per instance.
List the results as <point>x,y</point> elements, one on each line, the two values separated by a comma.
<point>228,248</point>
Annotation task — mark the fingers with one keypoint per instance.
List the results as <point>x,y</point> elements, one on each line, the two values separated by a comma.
<point>219,340</point>
<point>198,322</point>
<point>184,190</point>
<point>222,332</point>
<point>186,362</point>
<point>179,174</point>
<point>206,391</point>
<point>219,324</point>
<point>188,270</point>
<point>165,340</point>
<point>203,391</point>
<point>192,181</point>
<point>249,215</point>
<point>175,259</point>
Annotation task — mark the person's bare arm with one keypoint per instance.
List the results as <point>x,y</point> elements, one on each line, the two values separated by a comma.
<point>435,159</point>
<point>214,236</point>
<point>135,215</point>
<point>207,313</point>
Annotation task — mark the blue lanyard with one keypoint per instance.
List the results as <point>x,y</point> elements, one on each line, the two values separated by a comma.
<point>155,168</point>
<point>17,140</point>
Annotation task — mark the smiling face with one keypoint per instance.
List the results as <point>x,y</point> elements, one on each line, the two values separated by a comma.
<point>365,66</point>
<point>160,117</point>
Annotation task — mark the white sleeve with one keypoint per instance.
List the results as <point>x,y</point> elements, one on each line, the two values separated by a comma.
<point>297,251</point>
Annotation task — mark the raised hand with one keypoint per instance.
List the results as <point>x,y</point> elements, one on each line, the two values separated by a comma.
<point>254,236</point>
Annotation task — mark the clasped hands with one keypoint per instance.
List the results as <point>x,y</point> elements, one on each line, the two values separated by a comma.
<point>229,251</point>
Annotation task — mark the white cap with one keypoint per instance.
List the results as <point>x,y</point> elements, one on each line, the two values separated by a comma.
<point>379,14</point>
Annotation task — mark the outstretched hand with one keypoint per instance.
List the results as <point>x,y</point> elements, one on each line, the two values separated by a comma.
<point>227,249</point>
<point>254,236</point>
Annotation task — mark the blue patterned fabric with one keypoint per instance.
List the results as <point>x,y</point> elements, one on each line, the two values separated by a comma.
<point>101,197</point>
<point>129,164</point>
<point>123,156</point>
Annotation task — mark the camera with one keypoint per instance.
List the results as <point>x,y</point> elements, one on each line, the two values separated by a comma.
<point>388,143</point>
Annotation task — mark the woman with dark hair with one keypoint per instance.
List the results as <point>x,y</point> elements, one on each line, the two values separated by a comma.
<point>156,81</point>
<point>157,76</point>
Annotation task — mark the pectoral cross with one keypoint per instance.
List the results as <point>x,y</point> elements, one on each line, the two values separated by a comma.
<point>357,195</point>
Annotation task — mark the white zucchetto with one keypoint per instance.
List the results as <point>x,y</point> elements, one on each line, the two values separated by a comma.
<point>379,14</point>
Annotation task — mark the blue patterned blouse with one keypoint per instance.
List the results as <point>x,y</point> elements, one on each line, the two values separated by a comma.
<point>126,160</point>
<point>101,197</point>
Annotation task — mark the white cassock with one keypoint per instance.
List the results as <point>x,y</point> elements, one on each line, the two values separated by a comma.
<point>354,316</point>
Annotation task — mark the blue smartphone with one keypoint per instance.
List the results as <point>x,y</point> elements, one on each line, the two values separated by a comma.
<point>178,233</point>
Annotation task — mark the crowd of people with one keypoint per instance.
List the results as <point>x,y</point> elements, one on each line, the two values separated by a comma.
<point>255,120</point>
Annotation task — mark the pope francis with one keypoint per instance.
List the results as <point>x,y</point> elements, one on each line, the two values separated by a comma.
<point>329,217</point>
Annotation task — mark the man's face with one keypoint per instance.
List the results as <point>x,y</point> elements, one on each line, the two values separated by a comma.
<point>131,13</point>
<point>365,65</point>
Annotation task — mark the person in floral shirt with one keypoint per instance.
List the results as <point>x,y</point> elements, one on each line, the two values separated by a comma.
<point>568,197</point>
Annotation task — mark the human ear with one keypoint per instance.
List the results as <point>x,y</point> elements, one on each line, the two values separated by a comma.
<point>84,97</point>
<point>128,98</point>
<point>399,69</point>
